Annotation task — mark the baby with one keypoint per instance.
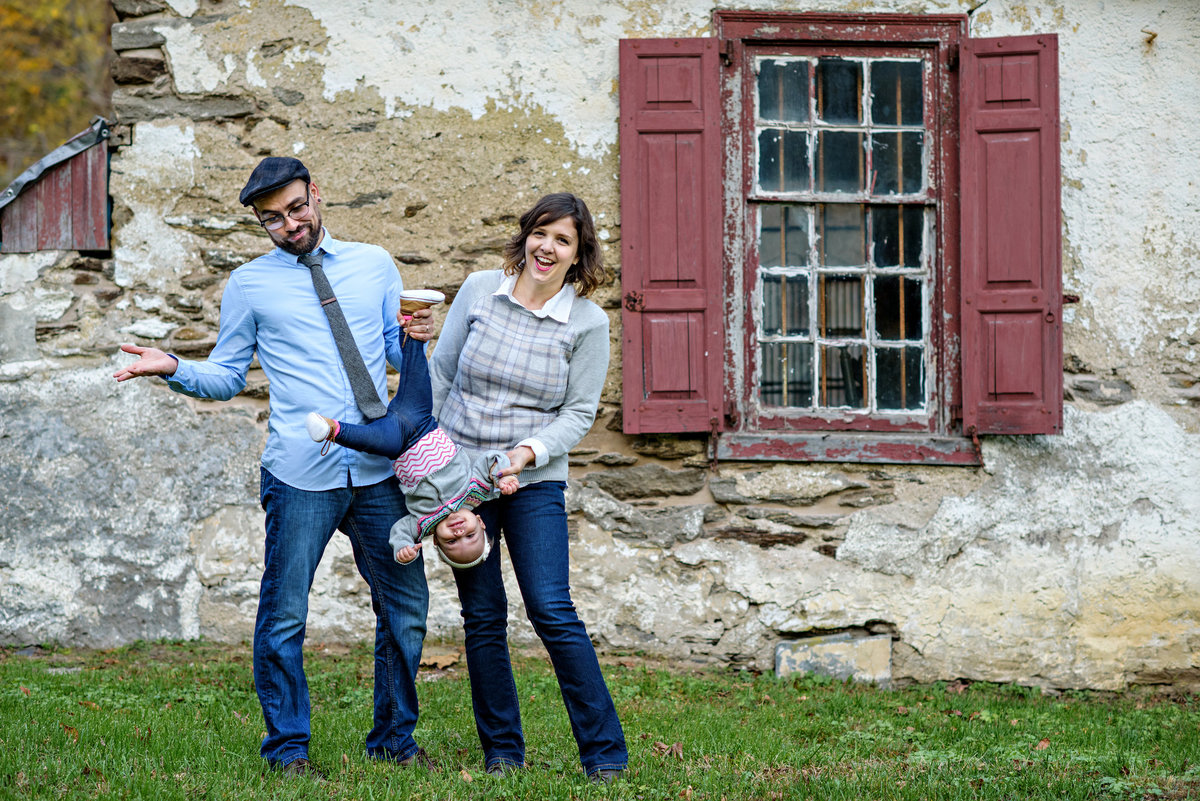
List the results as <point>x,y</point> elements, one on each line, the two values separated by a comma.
<point>441,483</point>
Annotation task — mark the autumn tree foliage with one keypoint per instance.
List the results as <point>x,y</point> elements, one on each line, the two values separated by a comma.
<point>56,56</point>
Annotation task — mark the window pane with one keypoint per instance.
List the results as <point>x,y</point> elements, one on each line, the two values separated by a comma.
<point>785,305</point>
<point>841,163</point>
<point>783,160</point>
<point>839,91</point>
<point>786,378</point>
<point>783,236</point>
<point>842,234</point>
<point>898,163</point>
<point>840,313</point>
<point>901,383</point>
<point>842,277</point>
<point>898,233</point>
<point>898,308</point>
<point>896,97</point>
<point>783,91</point>
<point>842,376</point>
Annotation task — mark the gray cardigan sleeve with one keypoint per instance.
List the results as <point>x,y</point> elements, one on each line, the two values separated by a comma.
<point>403,534</point>
<point>443,365</point>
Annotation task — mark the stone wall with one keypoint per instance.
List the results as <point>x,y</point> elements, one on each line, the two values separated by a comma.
<point>1069,561</point>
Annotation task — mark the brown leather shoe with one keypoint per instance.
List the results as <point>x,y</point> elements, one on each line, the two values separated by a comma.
<point>420,758</point>
<point>302,767</point>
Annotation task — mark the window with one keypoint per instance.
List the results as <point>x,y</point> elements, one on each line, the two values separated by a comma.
<point>838,203</point>
<point>840,237</point>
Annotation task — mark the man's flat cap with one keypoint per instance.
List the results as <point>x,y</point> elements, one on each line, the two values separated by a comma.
<point>270,174</point>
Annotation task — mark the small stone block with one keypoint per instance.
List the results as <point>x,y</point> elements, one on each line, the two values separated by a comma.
<point>841,656</point>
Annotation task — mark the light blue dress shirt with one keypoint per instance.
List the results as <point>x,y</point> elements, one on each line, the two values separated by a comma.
<point>270,306</point>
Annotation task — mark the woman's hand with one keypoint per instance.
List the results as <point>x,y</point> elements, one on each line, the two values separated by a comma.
<point>419,326</point>
<point>518,457</point>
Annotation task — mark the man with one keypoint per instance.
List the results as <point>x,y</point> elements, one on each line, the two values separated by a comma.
<point>274,306</point>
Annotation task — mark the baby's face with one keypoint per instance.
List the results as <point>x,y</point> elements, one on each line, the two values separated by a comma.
<point>461,536</point>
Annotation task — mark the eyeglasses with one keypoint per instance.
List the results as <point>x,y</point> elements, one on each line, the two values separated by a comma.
<point>298,212</point>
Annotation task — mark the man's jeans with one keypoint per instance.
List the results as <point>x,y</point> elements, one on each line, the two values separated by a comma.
<point>534,524</point>
<point>299,526</point>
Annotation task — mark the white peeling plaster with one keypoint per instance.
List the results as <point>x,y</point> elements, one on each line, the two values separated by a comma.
<point>1136,213</point>
<point>1075,488</point>
<point>25,592</point>
<point>149,176</point>
<point>189,606</point>
<point>184,8</point>
<point>194,72</point>
<point>18,270</point>
<point>151,328</point>
<point>147,302</point>
<point>51,304</point>
<point>253,76</point>
<point>560,58</point>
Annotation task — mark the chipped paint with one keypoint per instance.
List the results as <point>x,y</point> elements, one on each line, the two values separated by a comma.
<point>192,68</point>
<point>162,158</point>
<point>554,58</point>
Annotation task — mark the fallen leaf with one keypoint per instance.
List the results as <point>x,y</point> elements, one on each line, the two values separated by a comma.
<point>1042,744</point>
<point>957,686</point>
<point>664,750</point>
<point>90,705</point>
<point>440,661</point>
<point>345,759</point>
<point>465,775</point>
<point>71,731</point>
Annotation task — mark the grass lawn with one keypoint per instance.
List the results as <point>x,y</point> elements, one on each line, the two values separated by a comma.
<point>180,720</point>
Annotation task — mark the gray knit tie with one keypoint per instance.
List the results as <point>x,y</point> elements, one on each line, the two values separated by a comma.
<point>360,378</point>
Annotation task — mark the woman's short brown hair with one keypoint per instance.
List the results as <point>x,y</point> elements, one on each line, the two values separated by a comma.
<point>588,272</point>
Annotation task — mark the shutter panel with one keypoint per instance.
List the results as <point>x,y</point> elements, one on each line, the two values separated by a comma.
<point>1011,240</point>
<point>671,319</point>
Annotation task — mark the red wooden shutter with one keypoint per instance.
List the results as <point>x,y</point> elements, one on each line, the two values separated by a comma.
<point>671,318</point>
<point>1011,241</point>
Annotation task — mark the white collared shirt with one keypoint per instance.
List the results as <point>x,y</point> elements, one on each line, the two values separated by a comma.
<point>557,308</point>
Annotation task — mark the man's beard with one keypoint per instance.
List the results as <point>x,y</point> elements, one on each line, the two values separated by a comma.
<point>306,243</point>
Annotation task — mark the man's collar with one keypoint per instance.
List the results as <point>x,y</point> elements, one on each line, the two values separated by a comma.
<point>557,308</point>
<point>328,244</point>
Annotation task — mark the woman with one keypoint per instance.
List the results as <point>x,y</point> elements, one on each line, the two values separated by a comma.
<point>520,363</point>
